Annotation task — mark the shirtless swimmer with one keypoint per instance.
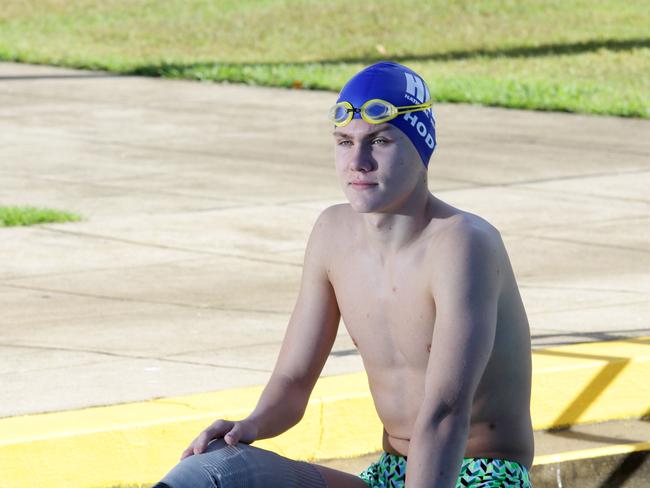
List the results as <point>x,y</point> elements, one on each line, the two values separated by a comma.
<point>428,295</point>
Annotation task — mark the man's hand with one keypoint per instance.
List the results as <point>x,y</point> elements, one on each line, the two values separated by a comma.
<point>233,432</point>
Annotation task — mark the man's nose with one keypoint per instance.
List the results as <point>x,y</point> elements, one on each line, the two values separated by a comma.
<point>361,158</point>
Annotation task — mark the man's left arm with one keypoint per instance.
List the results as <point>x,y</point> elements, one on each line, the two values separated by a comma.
<point>465,288</point>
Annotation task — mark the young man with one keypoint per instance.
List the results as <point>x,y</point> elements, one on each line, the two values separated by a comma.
<point>428,296</point>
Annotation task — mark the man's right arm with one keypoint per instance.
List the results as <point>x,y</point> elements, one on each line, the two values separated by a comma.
<point>308,340</point>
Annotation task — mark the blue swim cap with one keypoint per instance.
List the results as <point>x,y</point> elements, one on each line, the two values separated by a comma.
<point>400,86</point>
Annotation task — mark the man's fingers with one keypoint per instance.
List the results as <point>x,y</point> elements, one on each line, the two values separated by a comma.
<point>214,431</point>
<point>232,437</point>
<point>202,441</point>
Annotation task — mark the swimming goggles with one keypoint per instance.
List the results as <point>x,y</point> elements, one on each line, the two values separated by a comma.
<point>375,111</point>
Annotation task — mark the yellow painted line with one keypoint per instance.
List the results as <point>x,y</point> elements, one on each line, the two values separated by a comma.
<point>139,442</point>
<point>595,452</point>
<point>600,381</point>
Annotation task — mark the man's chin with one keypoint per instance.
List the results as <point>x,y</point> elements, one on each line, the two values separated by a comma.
<point>368,201</point>
<point>365,207</point>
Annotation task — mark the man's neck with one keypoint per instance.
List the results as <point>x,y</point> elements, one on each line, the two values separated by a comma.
<point>388,233</point>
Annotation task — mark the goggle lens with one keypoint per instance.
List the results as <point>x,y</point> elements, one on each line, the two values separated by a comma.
<point>341,113</point>
<point>378,110</point>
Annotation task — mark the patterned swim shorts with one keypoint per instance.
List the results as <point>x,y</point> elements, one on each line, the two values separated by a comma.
<point>390,472</point>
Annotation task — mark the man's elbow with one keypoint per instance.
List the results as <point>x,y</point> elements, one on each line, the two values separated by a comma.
<point>444,412</point>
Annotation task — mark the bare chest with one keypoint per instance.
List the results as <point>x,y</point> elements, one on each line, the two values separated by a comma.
<point>387,309</point>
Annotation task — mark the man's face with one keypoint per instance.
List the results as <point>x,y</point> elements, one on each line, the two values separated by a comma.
<point>377,165</point>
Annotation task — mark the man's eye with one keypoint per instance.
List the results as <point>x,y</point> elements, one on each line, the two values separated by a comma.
<point>344,142</point>
<point>380,140</point>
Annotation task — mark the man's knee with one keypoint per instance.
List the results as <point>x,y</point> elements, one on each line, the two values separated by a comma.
<point>241,466</point>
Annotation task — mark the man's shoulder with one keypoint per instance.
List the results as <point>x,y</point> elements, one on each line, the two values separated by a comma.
<point>463,225</point>
<point>334,217</point>
<point>469,252</point>
<point>334,221</point>
<point>341,210</point>
<point>463,231</point>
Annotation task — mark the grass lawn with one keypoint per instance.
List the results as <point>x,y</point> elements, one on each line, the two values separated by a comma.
<point>574,55</point>
<point>14,216</point>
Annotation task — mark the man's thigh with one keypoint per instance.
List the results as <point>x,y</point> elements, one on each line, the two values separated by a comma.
<point>224,466</point>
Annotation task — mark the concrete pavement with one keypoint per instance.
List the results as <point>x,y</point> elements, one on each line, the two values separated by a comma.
<point>199,198</point>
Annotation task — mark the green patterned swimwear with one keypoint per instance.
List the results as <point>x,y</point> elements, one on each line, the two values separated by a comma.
<point>390,472</point>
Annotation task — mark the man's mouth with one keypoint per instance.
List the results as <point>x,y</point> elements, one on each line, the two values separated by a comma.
<point>362,184</point>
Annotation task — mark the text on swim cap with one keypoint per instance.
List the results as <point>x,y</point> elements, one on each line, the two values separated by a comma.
<point>415,87</point>
<point>421,128</point>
